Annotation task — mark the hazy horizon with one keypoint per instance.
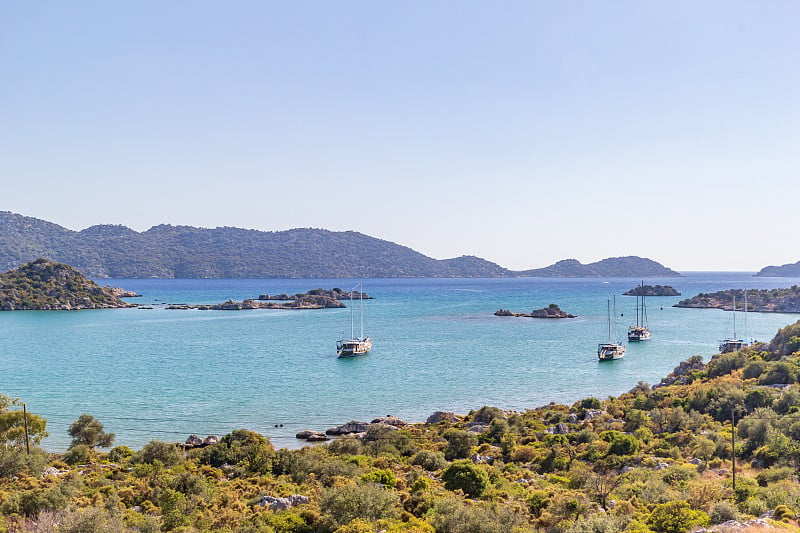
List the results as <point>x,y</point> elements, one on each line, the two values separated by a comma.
<point>519,132</point>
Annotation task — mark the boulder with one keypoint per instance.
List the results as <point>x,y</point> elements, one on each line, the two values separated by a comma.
<point>194,440</point>
<point>282,504</point>
<point>210,440</point>
<point>351,427</point>
<point>442,416</point>
<point>311,435</point>
<point>390,421</point>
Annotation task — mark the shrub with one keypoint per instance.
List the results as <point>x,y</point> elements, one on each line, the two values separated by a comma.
<point>89,431</point>
<point>723,512</point>
<point>676,517</point>
<point>467,477</point>
<point>14,461</point>
<point>459,444</point>
<point>166,453</point>
<point>119,453</point>
<point>429,460</point>
<point>79,454</point>
<point>341,505</point>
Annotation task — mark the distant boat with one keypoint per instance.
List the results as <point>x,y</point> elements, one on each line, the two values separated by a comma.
<point>640,332</point>
<point>355,345</point>
<point>733,344</point>
<point>611,350</point>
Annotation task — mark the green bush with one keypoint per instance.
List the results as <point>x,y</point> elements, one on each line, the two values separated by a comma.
<point>76,455</point>
<point>341,505</point>
<point>15,461</point>
<point>429,460</point>
<point>467,477</point>
<point>166,453</point>
<point>676,517</point>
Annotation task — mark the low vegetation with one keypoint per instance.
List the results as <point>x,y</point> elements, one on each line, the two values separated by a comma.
<point>657,459</point>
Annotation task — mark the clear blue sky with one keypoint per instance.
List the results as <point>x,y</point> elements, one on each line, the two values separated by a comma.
<point>522,132</point>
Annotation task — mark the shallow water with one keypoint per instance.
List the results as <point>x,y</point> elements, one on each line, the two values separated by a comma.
<point>164,374</point>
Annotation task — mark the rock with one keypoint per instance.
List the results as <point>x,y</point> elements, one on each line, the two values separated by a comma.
<point>441,416</point>
<point>591,414</point>
<point>311,436</point>
<point>488,459</point>
<point>210,440</point>
<point>51,471</point>
<point>194,440</point>
<point>390,421</point>
<point>351,427</point>
<point>282,504</point>
<point>695,461</point>
<point>662,466</point>
<point>572,418</point>
<point>477,427</point>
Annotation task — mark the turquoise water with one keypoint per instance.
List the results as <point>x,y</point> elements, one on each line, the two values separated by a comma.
<point>164,374</point>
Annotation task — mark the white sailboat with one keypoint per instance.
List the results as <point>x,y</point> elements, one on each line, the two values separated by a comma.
<point>355,345</point>
<point>608,351</point>
<point>733,344</point>
<point>640,332</point>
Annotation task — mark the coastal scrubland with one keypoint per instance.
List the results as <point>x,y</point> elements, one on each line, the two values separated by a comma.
<point>712,446</point>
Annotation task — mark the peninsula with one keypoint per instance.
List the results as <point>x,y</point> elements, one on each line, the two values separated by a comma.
<point>758,301</point>
<point>167,251</point>
<point>652,290</point>
<point>791,270</point>
<point>551,311</point>
<point>44,285</point>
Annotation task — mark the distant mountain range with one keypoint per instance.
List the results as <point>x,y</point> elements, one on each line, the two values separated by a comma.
<point>165,251</point>
<point>791,270</point>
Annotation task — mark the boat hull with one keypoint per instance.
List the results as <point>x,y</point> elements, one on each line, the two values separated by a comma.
<point>353,347</point>
<point>610,352</point>
<point>638,334</point>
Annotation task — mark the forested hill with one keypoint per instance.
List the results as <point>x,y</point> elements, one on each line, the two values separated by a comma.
<point>613,267</point>
<point>791,270</point>
<point>167,251</point>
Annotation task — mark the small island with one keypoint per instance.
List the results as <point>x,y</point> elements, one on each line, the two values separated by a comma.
<point>551,311</point>
<point>333,294</point>
<point>301,301</point>
<point>44,285</point>
<point>758,301</point>
<point>652,290</point>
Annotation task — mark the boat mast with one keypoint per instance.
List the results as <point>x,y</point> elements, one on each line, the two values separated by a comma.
<point>352,316</point>
<point>361,302</point>
<point>609,320</point>
<point>734,316</point>
<point>644,309</point>
<point>745,315</point>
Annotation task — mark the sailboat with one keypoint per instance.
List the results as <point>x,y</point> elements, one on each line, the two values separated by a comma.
<point>355,345</point>
<point>733,344</point>
<point>611,350</point>
<point>640,332</point>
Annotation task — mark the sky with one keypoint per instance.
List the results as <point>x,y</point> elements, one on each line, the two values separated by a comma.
<point>522,132</point>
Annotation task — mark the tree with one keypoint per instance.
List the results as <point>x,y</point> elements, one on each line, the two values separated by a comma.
<point>89,431</point>
<point>12,424</point>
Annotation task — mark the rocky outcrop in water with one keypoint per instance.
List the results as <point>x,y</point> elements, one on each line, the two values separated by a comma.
<point>551,311</point>
<point>306,302</point>
<point>332,294</point>
<point>652,290</point>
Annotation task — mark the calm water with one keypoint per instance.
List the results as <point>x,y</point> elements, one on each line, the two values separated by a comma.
<point>163,374</point>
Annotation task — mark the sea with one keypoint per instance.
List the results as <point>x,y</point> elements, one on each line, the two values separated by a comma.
<point>152,373</point>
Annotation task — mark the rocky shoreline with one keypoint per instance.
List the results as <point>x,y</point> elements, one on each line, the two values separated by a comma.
<point>308,302</point>
<point>551,311</point>
<point>758,301</point>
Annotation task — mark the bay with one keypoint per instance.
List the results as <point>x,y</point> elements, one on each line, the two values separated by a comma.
<point>164,374</point>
